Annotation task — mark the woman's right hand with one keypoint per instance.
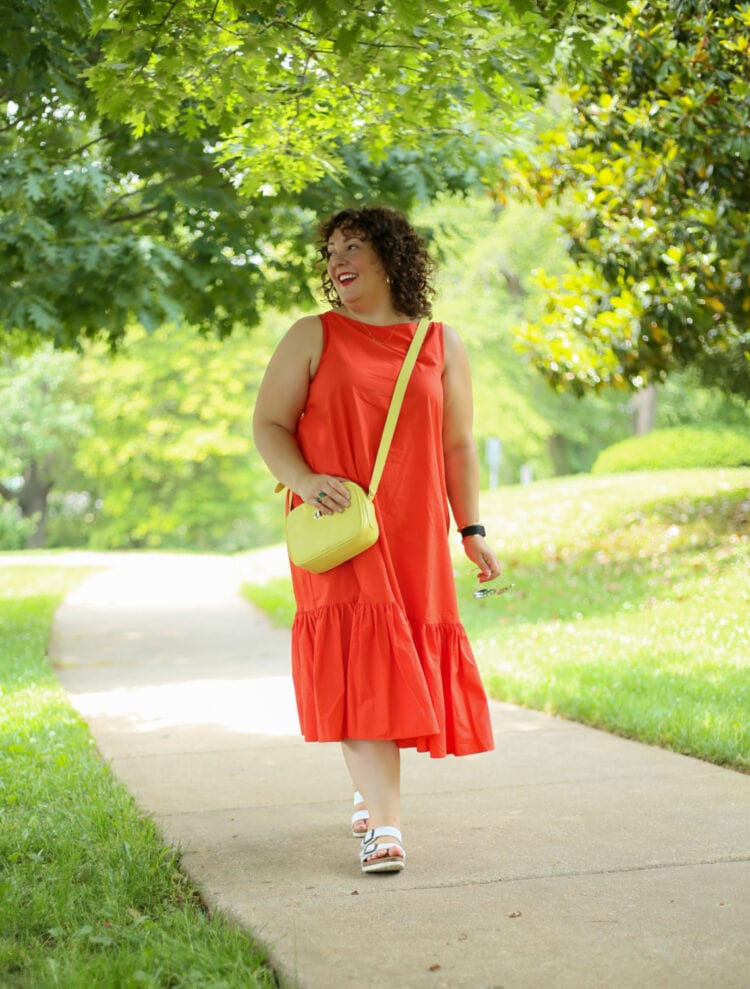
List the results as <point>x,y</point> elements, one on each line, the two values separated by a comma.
<point>325,491</point>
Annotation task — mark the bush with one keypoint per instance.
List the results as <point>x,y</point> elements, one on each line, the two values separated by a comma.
<point>14,529</point>
<point>684,446</point>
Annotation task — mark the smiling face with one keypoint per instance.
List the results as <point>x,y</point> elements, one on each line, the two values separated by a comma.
<point>355,269</point>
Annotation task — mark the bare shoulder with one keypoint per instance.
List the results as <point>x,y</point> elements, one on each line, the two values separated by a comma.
<point>303,342</point>
<point>450,336</point>
<point>306,329</point>
<point>283,391</point>
<point>452,346</point>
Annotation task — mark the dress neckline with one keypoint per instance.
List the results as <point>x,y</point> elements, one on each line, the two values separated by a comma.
<point>375,326</point>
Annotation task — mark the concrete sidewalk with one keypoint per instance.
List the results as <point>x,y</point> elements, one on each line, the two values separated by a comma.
<point>566,858</point>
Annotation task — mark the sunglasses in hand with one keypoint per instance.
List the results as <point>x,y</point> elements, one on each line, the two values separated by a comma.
<point>486,592</point>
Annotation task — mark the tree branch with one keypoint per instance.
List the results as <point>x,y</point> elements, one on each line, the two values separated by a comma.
<point>170,181</point>
<point>157,34</point>
<point>297,102</point>
<point>88,144</point>
<point>225,29</point>
<point>31,115</point>
<point>362,44</point>
<point>127,217</point>
<point>6,493</point>
<point>120,199</point>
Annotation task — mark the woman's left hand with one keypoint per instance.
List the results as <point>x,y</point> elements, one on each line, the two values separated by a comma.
<point>479,552</point>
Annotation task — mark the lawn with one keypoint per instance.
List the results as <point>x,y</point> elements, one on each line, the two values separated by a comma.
<point>89,894</point>
<point>630,609</point>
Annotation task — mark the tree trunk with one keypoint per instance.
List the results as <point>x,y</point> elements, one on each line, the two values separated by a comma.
<point>513,282</point>
<point>32,499</point>
<point>558,451</point>
<point>644,410</point>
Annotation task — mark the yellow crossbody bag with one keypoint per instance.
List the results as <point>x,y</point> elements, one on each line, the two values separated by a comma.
<point>318,542</point>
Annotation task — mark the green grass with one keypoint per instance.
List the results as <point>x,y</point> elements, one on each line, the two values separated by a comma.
<point>275,598</point>
<point>631,605</point>
<point>89,895</point>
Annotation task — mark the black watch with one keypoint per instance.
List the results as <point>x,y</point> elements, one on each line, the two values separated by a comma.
<point>472,530</point>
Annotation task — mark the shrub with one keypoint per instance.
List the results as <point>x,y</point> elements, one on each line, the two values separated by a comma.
<point>14,530</point>
<point>684,446</point>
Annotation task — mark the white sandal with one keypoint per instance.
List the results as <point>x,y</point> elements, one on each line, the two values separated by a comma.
<point>359,815</point>
<point>384,863</point>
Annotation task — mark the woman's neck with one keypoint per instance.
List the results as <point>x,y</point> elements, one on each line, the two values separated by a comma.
<point>383,315</point>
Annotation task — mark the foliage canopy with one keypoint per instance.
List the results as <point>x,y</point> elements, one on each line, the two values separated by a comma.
<point>655,160</point>
<point>288,86</point>
<point>164,161</point>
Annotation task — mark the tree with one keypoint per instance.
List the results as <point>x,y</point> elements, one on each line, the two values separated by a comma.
<point>100,227</point>
<point>44,416</point>
<point>488,255</point>
<point>652,165</point>
<point>171,464</point>
<point>165,161</point>
<point>290,85</point>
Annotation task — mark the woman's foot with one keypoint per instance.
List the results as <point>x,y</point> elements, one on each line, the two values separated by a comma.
<point>378,854</point>
<point>360,816</point>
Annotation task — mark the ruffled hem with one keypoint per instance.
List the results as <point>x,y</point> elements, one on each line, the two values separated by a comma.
<point>363,671</point>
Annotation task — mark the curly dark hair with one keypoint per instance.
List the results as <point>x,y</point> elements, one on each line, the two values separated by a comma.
<point>401,250</point>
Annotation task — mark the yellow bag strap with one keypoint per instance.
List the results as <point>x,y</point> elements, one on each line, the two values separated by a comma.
<point>395,407</point>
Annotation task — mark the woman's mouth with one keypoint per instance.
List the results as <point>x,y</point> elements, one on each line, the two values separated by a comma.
<point>346,278</point>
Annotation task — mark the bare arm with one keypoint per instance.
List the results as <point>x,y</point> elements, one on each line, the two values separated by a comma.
<point>280,403</point>
<point>460,453</point>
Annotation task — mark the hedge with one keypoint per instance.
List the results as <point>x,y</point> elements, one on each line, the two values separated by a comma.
<point>682,446</point>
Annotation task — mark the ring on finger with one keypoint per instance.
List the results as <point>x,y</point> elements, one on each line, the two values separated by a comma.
<point>321,496</point>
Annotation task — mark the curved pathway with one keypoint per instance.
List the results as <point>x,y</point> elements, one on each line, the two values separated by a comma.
<point>566,858</point>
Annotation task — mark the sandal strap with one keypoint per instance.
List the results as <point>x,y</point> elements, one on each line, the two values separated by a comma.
<point>370,837</point>
<point>360,815</point>
<point>358,798</point>
<point>370,845</point>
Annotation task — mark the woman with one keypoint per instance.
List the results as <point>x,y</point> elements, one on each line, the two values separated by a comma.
<point>380,660</point>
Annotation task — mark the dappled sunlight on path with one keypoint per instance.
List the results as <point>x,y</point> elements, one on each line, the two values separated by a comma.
<point>264,706</point>
<point>165,641</point>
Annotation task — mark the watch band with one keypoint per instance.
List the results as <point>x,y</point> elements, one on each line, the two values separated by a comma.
<point>472,530</point>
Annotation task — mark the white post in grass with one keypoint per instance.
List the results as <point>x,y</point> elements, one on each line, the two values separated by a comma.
<point>493,454</point>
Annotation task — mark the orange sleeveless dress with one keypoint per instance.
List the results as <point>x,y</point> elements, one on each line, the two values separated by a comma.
<point>378,650</point>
